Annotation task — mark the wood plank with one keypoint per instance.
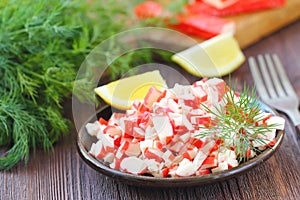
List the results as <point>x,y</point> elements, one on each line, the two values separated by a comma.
<point>252,27</point>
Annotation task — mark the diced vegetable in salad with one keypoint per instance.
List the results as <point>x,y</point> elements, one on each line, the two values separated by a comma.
<point>163,135</point>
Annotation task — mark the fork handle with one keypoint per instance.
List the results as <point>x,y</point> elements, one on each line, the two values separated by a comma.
<point>295,117</point>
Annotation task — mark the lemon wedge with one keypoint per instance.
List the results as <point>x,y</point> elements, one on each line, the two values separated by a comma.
<point>121,93</point>
<point>215,57</point>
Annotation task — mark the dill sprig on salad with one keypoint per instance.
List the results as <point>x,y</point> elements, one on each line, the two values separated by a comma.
<point>187,130</point>
<point>241,125</point>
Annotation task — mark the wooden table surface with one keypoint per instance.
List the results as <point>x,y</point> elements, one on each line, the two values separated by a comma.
<point>62,174</point>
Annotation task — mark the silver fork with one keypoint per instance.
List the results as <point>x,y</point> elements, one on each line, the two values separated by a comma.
<point>274,87</point>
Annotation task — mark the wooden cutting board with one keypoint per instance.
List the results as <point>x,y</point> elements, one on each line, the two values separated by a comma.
<point>252,27</point>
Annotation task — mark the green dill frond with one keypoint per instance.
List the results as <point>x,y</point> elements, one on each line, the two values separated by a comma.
<point>239,123</point>
<point>42,45</point>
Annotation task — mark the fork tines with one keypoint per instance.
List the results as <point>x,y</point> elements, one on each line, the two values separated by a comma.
<point>274,81</point>
<point>274,86</point>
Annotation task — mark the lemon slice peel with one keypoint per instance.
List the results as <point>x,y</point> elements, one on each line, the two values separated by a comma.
<point>215,57</point>
<point>121,93</point>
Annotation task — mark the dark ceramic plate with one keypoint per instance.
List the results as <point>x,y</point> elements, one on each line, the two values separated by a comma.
<point>84,142</point>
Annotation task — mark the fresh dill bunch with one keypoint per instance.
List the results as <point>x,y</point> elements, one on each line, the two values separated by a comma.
<point>42,45</point>
<point>237,123</point>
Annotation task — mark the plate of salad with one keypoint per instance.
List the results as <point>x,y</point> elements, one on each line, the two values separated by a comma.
<point>182,136</point>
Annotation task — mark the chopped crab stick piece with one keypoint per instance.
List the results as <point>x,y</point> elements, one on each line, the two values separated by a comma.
<point>199,159</point>
<point>190,154</point>
<point>98,150</point>
<point>176,118</point>
<point>168,157</point>
<point>185,137</point>
<point>201,120</point>
<point>226,154</point>
<point>218,85</point>
<point>173,106</point>
<point>112,131</point>
<point>150,133</point>
<point>130,148</point>
<point>221,167</point>
<point>126,124</point>
<point>262,117</point>
<point>187,123</point>
<point>201,172</point>
<point>153,166</point>
<point>158,145</point>
<point>209,162</point>
<point>278,121</point>
<point>115,118</point>
<point>172,170</point>
<point>155,154</point>
<point>185,168</point>
<point>202,154</point>
<point>197,142</point>
<point>164,172</point>
<point>264,139</point>
<point>163,127</point>
<point>133,165</point>
<point>232,163</point>
<point>197,112</point>
<point>92,149</point>
<point>176,146</point>
<point>138,132</point>
<point>200,93</point>
<point>181,90</point>
<point>115,164</point>
<point>268,137</point>
<point>152,96</point>
<point>93,128</point>
<point>148,143</point>
<point>107,141</point>
<point>109,157</point>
